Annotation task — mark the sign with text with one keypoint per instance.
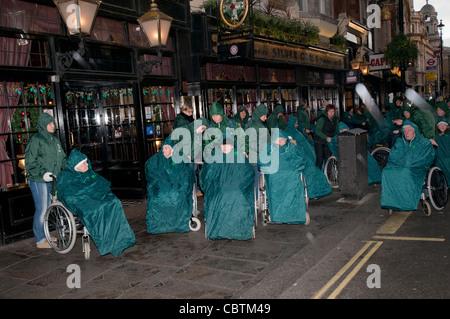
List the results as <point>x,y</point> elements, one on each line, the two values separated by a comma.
<point>301,55</point>
<point>377,62</point>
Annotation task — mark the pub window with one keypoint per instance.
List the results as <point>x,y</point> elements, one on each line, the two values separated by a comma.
<point>159,116</point>
<point>109,30</point>
<point>30,17</point>
<point>24,52</point>
<point>20,106</point>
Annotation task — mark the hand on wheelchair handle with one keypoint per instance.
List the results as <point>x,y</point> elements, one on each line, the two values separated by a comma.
<point>48,177</point>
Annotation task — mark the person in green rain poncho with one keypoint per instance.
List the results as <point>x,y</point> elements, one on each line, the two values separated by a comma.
<point>44,157</point>
<point>442,139</point>
<point>316,181</point>
<point>276,118</point>
<point>88,195</point>
<point>169,191</point>
<point>303,124</point>
<point>242,117</point>
<point>227,184</point>
<point>442,111</point>
<point>403,177</point>
<point>282,174</point>
<point>218,127</point>
<point>258,135</point>
<point>424,120</point>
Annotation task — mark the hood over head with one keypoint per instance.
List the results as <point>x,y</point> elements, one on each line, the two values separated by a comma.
<point>43,120</point>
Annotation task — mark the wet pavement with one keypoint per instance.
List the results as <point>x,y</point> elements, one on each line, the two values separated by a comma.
<point>189,266</point>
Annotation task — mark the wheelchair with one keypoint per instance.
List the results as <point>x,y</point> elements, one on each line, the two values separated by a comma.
<point>61,227</point>
<point>381,154</point>
<point>434,191</point>
<point>262,201</point>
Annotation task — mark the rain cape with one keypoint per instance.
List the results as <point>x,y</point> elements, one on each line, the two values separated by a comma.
<point>227,184</point>
<point>169,193</point>
<point>443,154</point>
<point>316,182</point>
<point>89,196</point>
<point>285,189</point>
<point>403,177</point>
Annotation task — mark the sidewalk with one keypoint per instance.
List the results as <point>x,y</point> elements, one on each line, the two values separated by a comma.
<point>177,265</point>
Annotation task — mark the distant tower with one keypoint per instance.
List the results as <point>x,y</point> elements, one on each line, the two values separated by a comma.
<point>431,22</point>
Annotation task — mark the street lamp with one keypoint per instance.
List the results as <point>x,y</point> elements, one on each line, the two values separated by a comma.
<point>364,67</point>
<point>156,26</point>
<point>79,17</point>
<point>441,69</point>
<point>355,63</point>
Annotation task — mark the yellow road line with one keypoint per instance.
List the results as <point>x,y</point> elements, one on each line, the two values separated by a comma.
<point>341,272</point>
<point>394,223</point>
<point>355,270</point>
<point>409,238</point>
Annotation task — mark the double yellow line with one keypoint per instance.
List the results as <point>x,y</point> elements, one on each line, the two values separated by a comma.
<point>374,244</point>
<point>388,229</point>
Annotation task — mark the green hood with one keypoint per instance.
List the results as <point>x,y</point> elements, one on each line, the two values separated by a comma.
<point>76,157</point>
<point>443,106</point>
<point>260,111</point>
<point>216,109</point>
<point>43,120</point>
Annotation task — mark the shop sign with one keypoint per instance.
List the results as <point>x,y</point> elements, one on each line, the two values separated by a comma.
<point>377,62</point>
<point>351,77</point>
<point>431,76</point>
<point>300,55</point>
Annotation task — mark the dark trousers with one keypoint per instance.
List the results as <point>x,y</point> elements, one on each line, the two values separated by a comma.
<point>322,153</point>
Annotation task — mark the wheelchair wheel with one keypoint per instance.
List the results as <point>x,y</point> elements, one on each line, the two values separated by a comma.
<point>381,154</point>
<point>308,219</point>
<point>331,171</point>
<point>194,224</point>
<point>86,247</point>
<point>60,228</point>
<point>426,208</point>
<point>437,188</point>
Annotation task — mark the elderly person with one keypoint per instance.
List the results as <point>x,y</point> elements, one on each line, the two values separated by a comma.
<point>402,178</point>
<point>88,195</point>
<point>169,192</point>
<point>227,183</point>
<point>285,190</point>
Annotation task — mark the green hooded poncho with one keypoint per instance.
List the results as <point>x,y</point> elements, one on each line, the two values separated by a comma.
<point>424,120</point>
<point>285,189</point>
<point>303,119</point>
<point>403,177</point>
<point>211,140</point>
<point>228,196</point>
<point>89,196</point>
<point>316,181</point>
<point>237,118</point>
<point>274,121</point>
<point>44,152</point>
<point>444,107</point>
<point>443,153</point>
<point>169,193</point>
<point>259,128</point>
